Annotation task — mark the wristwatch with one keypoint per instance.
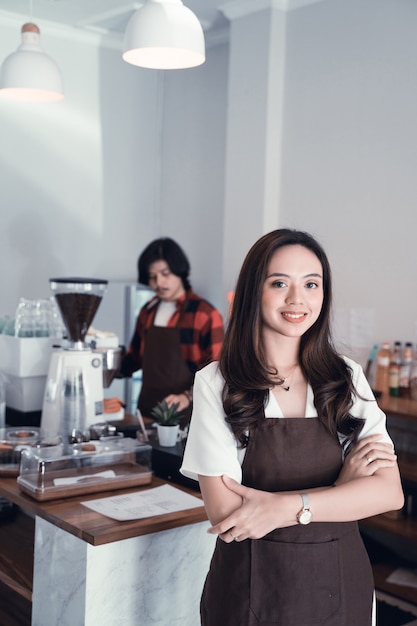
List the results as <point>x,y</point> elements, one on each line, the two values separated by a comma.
<point>305,515</point>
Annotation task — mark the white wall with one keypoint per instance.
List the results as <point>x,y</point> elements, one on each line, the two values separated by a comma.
<point>133,154</point>
<point>130,155</point>
<point>350,157</point>
<point>75,176</point>
<point>193,168</point>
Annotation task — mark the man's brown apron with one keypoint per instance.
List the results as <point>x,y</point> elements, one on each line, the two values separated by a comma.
<point>311,575</point>
<point>164,369</point>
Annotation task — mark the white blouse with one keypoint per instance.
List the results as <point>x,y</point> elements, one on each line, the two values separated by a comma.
<point>212,449</point>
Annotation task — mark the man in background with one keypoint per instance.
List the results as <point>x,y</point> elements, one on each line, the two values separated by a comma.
<point>177,332</point>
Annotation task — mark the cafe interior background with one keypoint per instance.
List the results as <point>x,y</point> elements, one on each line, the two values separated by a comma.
<point>303,115</point>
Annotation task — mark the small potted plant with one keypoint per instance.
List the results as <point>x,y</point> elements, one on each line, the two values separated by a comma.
<point>168,422</point>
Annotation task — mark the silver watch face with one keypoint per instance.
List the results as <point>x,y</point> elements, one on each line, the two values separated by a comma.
<point>305,517</point>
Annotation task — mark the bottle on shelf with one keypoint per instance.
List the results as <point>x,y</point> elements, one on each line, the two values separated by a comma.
<point>383,360</point>
<point>370,369</point>
<point>405,370</point>
<point>413,377</point>
<point>394,370</point>
<point>3,384</point>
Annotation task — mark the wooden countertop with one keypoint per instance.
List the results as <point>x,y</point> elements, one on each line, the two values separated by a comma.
<point>70,515</point>
<point>398,406</point>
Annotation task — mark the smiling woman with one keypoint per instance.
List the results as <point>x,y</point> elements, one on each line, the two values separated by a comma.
<point>291,301</point>
<point>280,436</point>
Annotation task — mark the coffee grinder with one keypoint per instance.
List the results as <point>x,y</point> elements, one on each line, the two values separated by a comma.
<point>75,372</point>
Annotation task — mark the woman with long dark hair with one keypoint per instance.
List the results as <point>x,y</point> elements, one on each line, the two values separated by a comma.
<point>290,449</point>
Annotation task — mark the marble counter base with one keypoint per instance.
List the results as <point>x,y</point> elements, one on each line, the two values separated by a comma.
<point>152,580</point>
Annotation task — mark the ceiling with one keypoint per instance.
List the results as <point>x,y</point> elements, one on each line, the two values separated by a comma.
<point>100,16</point>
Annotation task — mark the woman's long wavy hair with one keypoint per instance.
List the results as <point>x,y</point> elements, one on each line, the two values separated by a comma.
<point>248,376</point>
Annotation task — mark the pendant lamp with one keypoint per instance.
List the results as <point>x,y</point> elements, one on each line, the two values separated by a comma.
<point>164,35</point>
<point>29,74</point>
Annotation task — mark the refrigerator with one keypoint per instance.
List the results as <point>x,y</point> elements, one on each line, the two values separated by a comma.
<point>117,313</point>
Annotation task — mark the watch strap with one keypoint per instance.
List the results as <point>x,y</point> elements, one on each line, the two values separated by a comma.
<point>305,516</point>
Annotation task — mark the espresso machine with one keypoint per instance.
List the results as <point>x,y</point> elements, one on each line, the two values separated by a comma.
<point>75,376</point>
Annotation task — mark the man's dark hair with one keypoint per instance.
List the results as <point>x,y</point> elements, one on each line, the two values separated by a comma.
<point>164,249</point>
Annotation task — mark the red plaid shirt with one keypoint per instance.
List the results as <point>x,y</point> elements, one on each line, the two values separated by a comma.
<point>200,326</point>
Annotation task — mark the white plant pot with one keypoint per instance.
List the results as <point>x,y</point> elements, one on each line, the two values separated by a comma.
<point>167,435</point>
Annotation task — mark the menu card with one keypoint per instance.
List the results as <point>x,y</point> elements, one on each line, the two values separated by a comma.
<point>147,503</point>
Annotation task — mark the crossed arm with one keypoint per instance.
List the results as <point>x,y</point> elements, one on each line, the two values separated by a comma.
<point>368,484</point>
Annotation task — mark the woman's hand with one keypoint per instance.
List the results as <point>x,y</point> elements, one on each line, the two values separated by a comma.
<point>258,515</point>
<point>366,457</point>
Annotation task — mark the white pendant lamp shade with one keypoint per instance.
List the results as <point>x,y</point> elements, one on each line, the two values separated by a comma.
<point>29,74</point>
<point>164,34</point>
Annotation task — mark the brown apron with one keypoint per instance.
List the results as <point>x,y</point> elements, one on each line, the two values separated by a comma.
<point>164,369</point>
<point>311,575</point>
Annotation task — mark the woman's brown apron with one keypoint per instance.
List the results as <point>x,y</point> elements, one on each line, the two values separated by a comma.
<point>164,369</point>
<point>311,575</point>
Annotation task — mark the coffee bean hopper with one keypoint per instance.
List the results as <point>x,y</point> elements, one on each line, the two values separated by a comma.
<point>74,385</point>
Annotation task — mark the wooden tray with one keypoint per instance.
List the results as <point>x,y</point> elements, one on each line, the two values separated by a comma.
<point>44,488</point>
<point>12,442</point>
<point>9,470</point>
<point>9,460</point>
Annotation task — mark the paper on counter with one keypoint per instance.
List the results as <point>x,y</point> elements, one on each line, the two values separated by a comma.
<point>147,503</point>
<point>72,480</point>
<point>404,577</point>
